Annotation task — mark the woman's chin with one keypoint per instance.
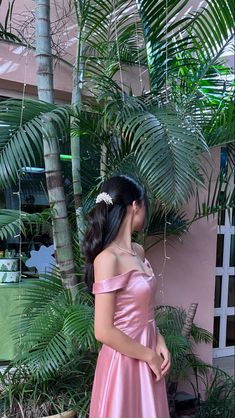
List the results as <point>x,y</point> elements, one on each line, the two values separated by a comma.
<point>139,228</point>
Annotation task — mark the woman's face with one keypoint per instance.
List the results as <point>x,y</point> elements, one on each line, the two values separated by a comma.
<point>139,216</point>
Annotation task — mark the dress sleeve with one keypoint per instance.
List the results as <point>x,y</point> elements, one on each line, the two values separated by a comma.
<point>111,284</point>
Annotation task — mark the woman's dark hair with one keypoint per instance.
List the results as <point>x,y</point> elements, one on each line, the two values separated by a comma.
<point>104,219</point>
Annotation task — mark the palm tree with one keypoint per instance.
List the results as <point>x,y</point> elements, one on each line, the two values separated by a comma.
<point>51,150</point>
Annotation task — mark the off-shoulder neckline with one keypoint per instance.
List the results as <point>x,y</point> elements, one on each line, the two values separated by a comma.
<point>128,271</point>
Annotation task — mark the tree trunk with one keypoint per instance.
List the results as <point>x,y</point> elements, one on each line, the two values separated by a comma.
<point>54,178</point>
<point>186,330</point>
<point>75,140</point>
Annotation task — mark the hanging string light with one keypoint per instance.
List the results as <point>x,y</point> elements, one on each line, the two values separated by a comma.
<point>118,49</point>
<point>18,193</point>
<point>117,46</point>
<point>166,34</point>
<point>138,56</point>
<point>166,257</point>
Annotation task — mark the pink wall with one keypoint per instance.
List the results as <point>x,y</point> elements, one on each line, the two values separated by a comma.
<point>17,65</point>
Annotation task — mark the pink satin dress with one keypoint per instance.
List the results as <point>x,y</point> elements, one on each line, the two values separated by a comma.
<point>125,387</point>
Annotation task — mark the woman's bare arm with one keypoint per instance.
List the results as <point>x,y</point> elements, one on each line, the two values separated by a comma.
<point>105,266</point>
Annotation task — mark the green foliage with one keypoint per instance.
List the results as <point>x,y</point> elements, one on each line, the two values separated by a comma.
<point>220,127</point>
<point>170,321</point>
<point>53,368</point>
<point>215,202</point>
<point>50,326</point>
<point>11,221</point>
<point>22,125</point>
<point>163,37</point>
<point>219,390</point>
<point>68,389</point>
<point>165,144</point>
<point>107,36</point>
<point>186,63</point>
<point>187,47</point>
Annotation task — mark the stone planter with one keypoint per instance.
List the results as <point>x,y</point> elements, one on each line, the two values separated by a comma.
<point>9,272</point>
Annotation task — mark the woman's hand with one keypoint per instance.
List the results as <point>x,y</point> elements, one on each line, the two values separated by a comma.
<point>155,365</point>
<point>162,350</point>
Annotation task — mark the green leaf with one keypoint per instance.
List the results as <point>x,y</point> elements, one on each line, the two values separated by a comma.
<point>22,125</point>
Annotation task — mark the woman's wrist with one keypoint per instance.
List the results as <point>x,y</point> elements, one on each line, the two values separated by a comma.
<point>160,339</point>
<point>150,355</point>
<point>158,330</point>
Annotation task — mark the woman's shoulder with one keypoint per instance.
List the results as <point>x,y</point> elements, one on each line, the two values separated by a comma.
<point>106,278</point>
<point>105,264</point>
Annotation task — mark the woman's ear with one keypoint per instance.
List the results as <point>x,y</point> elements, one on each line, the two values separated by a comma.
<point>135,206</point>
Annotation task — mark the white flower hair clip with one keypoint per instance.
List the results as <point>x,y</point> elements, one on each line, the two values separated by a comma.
<point>105,197</point>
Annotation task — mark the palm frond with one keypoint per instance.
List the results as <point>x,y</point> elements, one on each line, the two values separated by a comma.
<point>207,77</point>
<point>79,321</point>
<point>178,346</point>
<point>219,390</point>
<point>50,325</point>
<point>21,128</point>
<point>213,30</point>
<point>164,37</point>
<point>170,320</point>
<point>190,48</point>
<point>201,335</point>
<point>109,34</point>
<point>220,127</point>
<point>220,196</point>
<point>13,221</point>
<point>167,151</point>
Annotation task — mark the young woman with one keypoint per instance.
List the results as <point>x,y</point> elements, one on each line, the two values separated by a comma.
<point>129,379</point>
